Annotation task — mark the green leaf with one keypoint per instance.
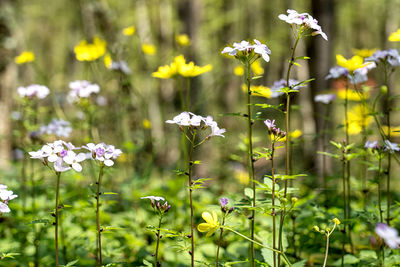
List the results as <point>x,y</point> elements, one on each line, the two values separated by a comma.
<point>329,154</point>
<point>196,162</point>
<point>299,263</point>
<point>71,263</point>
<point>257,77</point>
<point>9,255</point>
<point>110,193</point>
<point>248,192</point>
<point>303,82</point>
<point>303,57</point>
<point>289,177</point>
<point>276,107</point>
<point>147,263</point>
<point>179,172</point>
<point>199,183</point>
<point>367,254</point>
<point>297,64</point>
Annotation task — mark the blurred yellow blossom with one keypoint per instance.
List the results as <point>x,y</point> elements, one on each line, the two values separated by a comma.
<point>149,49</point>
<point>146,124</point>
<point>238,70</point>
<point>395,37</point>
<point>358,118</point>
<point>107,61</point>
<point>394,130</point>
<point>182,39</point>
<point>242,176</point>
<point>179,66</point>
<point>211,225</point>
<point>364,52</point>
<point>261,90</point>
<point>295,134</point>
<point>256,68</point>
<point>336,221</point>
<point>24,57</point>
<point>352,95</point>
<point>128,31</point>
<point>85,51</point>
<point>351,64</point>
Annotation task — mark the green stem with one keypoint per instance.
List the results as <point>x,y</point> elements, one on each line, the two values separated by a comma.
<point>344,201</point>
<point>326,250</point>
<point>387,113</point>
<point>99,258</point>
<point>251,161</point>
<point>190,165</point>
<point>379,189</point>
<point>273,200</point>
<point>220,240</point>
<point>56,216</point>
<point>156,263</point>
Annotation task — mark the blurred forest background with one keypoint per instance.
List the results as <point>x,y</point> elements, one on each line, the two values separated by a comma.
<point>138,104</point>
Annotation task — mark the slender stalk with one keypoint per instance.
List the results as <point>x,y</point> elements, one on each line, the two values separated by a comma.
<point>156,263</point>
<point>344,201</point>
<point>326,251</point>
<point>220,240</point>
<point>190,165</point>
<point>56,217</point>
<point>287,169</point>
<point>273,200</point>
<point>250,161</point>
<point>379,189</point>
<point>387,113</point>
<point>99,258</point>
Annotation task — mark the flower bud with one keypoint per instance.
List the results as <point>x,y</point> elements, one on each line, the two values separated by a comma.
<point>316,228</point>
<point>336,221</point>
<point>384,89</point>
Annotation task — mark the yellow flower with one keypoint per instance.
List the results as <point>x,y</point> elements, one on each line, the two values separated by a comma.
<point>260,90</point>
<point>90,51</point>
<point>24,57</point>
<point>238,70</point>
<point>242,176</point>
<point>128,31</point>
<point>295,134</point>
<point>364,52</point>
<point>107,61</point>
<point>352,64</point>
<point>358,118</point>
<point>257,69</point>
<point>352,95</point>
<point>394,130</point>
<point>146,124</point>
<point>179,66</point>
<point>149,49</point>
<point>395,37</point>
<point>182,39</point>
<point>336,221</point>
<point>211,225</point>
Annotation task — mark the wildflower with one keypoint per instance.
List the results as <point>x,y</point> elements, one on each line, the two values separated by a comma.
<point>295,134</point>
<point>388,234</point>
<point>182,39</point>
<point>73,159</point>
<point>101,101</point>
<point>352,95</point>
<point>358,119</point>
<point>391,56</point>
<point>242,176</point>
<point>146,124</point>
<point>149,49</point>
<point>316,228</point>
<point>129,31</point>
<point>364,52</point>
<point>352,64</point>
<point>336,221</point>
<point>325,98</point>
<point>257,69</point>
<point>337,72</point>
<point>360,75</point>
<point>270,124</point>
<point>33,90</point>
<point>24,57</point>
<point>121,66</point>
<point>82,89</point>
<point>391,147</point>
<point>216,131</point>
<point>85,51</point>
<point>58,127</point>
<point>223,201</point>
<point>179,66</point>
<point>108,61</point>
<point>395,36</point>
<point>394,130</point>
<point>239,70</point>
<point>153,198</point>
<point>304,20</point>
<point>5,196</point>
<point>211,225</point>
<point>244,48</point>
<point>280,84</point>
<point>261,90</point>
<point>371,144</point>
<point>102,153</point>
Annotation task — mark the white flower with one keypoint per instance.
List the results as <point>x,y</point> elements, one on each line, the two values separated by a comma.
<point>103,153</point>
<point>325,98</point>
<point>82,89</point>
<point>4,208</point>
<point>153,198</point>
<point>270,124</point>
<point>216,131</point>
<point>303,19</point>
<point>33,90</point>
<point>7,195</point>
<point>262,50</point>
<point>59,166</point>
<point>59,128</point>
<point>246,47</point>
<point>181,119</point>
<point>74,159</point>
<point>389,234</point>
<point>391,147</point>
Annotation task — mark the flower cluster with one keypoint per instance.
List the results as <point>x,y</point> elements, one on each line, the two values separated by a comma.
<point>5,196</point>
<point>304,20</point>
<point>179,66</point>
<point>387,146</point>
<point>85,51</point>
<point>244,48</point>
<point>58,127</point>
<point>325,98</point>
<point>280,84</point>
<point>390,56</point>
<point>61,154</point>
<point>156,204</point>
<point>33,90</point>
<point>82,89</point>
<point>272,130</point>
<point>102,153</point>
<point>388,234</point>
<point>224,205</point>
<point>192,120</point>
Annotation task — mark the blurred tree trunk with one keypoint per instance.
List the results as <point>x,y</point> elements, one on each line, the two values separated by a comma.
<point>320,63</point>
<point>7,76</point>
